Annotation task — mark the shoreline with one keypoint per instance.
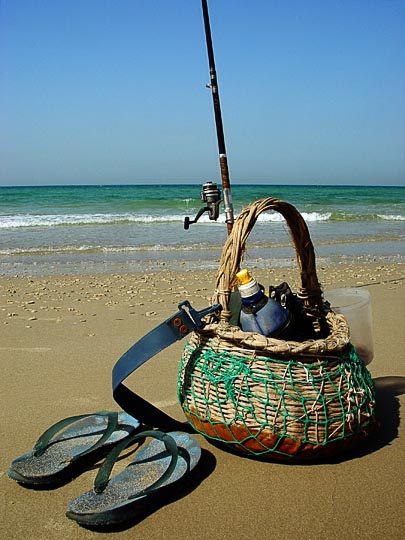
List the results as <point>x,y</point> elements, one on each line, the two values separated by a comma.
<point>327,272</point>
<point>280,257</point>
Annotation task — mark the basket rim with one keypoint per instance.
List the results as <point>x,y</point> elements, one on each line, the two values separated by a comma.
<point>224,336</point>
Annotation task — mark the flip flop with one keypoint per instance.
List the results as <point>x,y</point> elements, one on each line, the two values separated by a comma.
<point>68,446</point>
<point>167,459</point>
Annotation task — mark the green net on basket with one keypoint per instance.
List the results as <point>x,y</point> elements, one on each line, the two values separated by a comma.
<point>290,400</point>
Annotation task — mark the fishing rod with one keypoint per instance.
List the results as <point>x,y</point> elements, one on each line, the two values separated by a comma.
<point>210,193</point>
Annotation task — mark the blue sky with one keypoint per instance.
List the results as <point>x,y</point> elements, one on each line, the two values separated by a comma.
<point>113,91</point>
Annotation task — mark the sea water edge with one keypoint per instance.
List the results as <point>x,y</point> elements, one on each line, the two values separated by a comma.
<point>97,229</point>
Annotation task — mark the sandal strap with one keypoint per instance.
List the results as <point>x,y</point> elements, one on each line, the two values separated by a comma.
<point>103,475</point>
<point>45,439</point>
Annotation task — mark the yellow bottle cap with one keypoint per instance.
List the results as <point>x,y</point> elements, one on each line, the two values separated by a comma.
<point>244,277</point>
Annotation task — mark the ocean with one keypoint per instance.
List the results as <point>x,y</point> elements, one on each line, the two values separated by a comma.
<point>127,228</point>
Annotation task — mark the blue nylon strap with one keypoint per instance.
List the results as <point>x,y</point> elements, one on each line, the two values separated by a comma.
<point>171,330</point>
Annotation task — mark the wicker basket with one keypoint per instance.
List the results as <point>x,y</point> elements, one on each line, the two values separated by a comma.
<point>268,396</point>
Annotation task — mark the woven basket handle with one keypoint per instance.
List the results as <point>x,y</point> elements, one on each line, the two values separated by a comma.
<point>233,250</point>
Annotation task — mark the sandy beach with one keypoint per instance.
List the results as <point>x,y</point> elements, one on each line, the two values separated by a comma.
<point>60,337</point>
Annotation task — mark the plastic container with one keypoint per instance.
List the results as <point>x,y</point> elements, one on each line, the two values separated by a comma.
<point>355,305</point>
<point>258,312</point>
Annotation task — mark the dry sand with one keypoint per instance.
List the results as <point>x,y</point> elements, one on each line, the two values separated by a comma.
<point>60,337</point>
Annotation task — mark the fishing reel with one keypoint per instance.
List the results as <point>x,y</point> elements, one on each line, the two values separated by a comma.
<point>210,195</point>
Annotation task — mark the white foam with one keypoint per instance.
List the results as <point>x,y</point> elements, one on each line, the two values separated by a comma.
<point>391,217</point>
<point>55,220</point>
<point>308,216</point>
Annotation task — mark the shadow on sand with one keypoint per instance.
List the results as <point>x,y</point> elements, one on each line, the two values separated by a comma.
<point>387,409</point>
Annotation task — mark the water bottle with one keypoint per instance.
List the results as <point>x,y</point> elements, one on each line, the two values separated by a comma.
<point>259,313</point>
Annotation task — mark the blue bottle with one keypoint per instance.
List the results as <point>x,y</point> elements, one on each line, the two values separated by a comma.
<point>259,313</point>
